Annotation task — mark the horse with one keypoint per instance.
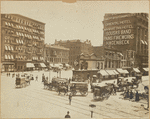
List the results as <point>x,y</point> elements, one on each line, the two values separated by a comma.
<point>62,89</point>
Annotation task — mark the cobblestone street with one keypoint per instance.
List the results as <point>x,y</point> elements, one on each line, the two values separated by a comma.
<point>34,101</point>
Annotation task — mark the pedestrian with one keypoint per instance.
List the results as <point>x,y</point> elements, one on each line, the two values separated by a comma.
<point>114,88</point>
<point>37,78</point>
<point>146,88</point>
<point>137,96</point>
<point>67,115</point>
<point>43,78</point>
<point>131,94</point>
<point>70,98</point>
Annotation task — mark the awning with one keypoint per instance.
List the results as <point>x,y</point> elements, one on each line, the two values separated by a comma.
<point>9,57</point>
<point>110,72</point>
<point>115,72</point>
<point>6,57</point>
<point>42,65</point>
<point>145,42</point>
<point>142,42</point>
<point>136,70</point>
<point>6,47</point>
<point>9,48</point>
<point>12,57</point>
<point>51,65</point>
<point>121,54</point>
<point>67,65</point>
<point>29,65</point>
<point>146,69</point>
<point>56,65</point>
<point>122,71</point>
<point>12,48</point>
<point>103,73</point>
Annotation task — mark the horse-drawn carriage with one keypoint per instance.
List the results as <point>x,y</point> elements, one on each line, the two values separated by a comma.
<point>101,90</point>
<point>131,82</point>
<point>56,83</point>
<point>22,80</point>
<point>81,87</point>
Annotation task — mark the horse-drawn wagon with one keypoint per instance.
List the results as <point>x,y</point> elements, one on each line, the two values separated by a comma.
<point>81,87</point>
<point>101,90</point>
<point>131,82</point>
<point>56,83</point>
<point>22,80</point>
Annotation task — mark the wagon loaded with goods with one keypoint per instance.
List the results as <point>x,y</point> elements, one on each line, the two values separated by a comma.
<point>81,87</point>
<point>22,81</point>
<point>129,82</point>
<point>101,90</point>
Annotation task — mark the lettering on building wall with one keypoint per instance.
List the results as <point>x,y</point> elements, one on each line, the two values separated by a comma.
<point>119,27</point>
<point>118,42</point>
<point>118,23</point>
<point>119,37</point>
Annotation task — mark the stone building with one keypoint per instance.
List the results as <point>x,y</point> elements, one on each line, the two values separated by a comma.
<point>22,41</point>
<point>54,54</point>
<point>128,33</point>
<point>76,48</point>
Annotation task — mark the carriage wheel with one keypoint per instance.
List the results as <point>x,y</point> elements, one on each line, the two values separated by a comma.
<point>83,92</point>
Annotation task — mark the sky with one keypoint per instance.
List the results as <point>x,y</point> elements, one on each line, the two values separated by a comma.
<point>68,21</point>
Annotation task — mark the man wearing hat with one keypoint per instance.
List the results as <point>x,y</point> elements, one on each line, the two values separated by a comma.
<point>67,115</point>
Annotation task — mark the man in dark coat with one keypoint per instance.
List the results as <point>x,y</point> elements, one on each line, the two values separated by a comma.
<point>67,115</point>
<point>70,98</point>
<point>137,96</point>
<point>146,88</point>
<point>131,94</point>
<point>43,78</point>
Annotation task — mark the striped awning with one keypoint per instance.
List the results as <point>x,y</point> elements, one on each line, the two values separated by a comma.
<point>42,65</point>
<point>110,72</point>
<point>136,70</point>
<point>115,72</point>
<point>28,65</point>
<point>103,73</point>
<point>142,42</point>
<point>122,71</point>
<point>146,69</point>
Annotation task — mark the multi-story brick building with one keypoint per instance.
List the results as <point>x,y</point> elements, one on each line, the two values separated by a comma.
<point>56,54</point>
<point>113,57</point>
<point>76,48</point>
<point>22,41</point>
<point>128,33</point>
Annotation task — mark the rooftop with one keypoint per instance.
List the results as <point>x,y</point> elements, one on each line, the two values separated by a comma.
<point>26,18</point>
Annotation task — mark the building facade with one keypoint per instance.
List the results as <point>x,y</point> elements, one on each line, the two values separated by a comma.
<point>56,54</point>
<point>128,33</point>
<point>76,48</point>
<point>22,41</point>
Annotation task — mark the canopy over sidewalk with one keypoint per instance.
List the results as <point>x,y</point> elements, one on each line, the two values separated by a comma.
<point>122,71</point>
<point>103,73</point>
<point>30,65</point>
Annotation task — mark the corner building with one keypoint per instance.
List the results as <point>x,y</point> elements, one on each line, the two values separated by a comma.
<point>128,33</point>
<point>56,54</point>
<point>22,41</point>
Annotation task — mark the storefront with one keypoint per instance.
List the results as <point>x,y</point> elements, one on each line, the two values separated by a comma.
<point>123,73</point>
<point>135,72</point>
<point>145,71</point>
<point>8,67</point>
<point>102,74</point>
<point>111,74</point>
<point>30,66</point>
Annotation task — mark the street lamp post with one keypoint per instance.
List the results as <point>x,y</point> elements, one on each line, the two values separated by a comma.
<point>92,107</point>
